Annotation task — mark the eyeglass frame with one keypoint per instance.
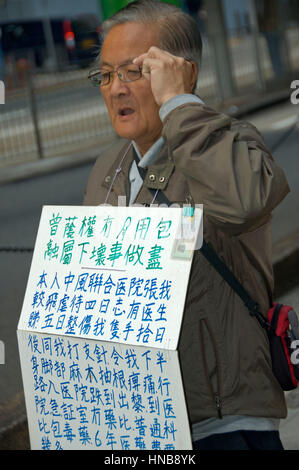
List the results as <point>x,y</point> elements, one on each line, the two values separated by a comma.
<point>94,72</point>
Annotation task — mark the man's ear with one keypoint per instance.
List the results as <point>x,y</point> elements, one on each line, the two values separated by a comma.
<point>194,76</point>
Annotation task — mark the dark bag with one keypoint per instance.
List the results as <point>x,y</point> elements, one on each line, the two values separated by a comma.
<point>281,326</point>
<point>283,336</point>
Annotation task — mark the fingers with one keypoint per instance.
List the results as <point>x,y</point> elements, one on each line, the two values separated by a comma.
<point>169,75</point>
<point>156,59</point>
<point>153,52</point>
<point>139,60</point>
<point>159,54</point>
<point>149,64</point>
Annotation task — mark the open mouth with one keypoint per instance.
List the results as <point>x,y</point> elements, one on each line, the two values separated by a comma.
<point>126,111</point>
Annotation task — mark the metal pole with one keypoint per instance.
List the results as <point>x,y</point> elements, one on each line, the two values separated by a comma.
<point>34,115</point>
<point>217,31</point>
<point>255,37</point>
<point>51,50</point>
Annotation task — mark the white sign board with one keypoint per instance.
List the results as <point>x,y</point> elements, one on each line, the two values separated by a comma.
<point>99,328</point>
<point>86,394</point>
<point>110,273</point>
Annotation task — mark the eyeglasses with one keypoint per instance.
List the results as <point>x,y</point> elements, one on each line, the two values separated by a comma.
<point>126,73</point>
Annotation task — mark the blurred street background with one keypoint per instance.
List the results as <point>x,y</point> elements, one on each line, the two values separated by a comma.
<point>53,124</point>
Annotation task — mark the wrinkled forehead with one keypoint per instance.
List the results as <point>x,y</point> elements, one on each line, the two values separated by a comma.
<point>126,41</point>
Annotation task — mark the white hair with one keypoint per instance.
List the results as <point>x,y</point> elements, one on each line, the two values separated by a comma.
<point>178,32</point>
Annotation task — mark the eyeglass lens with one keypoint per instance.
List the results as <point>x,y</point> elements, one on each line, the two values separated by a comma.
<point>126,73</point>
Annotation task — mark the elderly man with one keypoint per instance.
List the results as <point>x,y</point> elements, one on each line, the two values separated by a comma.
<point>173,144</point>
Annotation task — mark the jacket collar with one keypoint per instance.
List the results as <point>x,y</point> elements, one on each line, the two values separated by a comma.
<point>157,176</point>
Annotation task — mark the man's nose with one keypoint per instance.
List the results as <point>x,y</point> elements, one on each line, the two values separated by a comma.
<point>117,86</point>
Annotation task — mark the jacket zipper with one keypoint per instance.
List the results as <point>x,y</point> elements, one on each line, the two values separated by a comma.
<point>216,396</point>
<point>218,405</point>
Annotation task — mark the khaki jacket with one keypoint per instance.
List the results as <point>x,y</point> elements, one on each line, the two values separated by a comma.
<point>210,159</point>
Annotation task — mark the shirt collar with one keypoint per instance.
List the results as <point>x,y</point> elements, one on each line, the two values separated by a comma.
<point>149,157</point>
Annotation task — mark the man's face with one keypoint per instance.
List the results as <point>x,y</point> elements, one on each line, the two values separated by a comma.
<point>133,111</point>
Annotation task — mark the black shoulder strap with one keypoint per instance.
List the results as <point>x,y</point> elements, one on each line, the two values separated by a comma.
<point>230,278</point>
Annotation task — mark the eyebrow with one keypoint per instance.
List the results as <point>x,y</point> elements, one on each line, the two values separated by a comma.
<point>128,61</point>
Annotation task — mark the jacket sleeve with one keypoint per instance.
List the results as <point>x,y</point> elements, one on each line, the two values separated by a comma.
<point>226,163</point>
